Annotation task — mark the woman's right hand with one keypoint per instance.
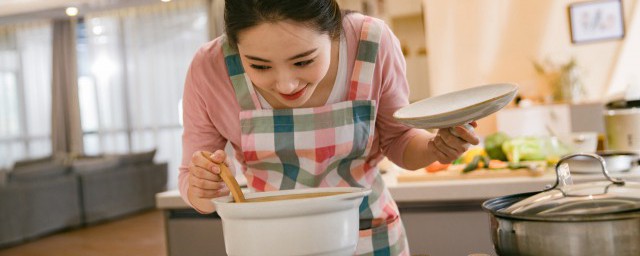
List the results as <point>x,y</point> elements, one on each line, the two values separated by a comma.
<point>204,179</point>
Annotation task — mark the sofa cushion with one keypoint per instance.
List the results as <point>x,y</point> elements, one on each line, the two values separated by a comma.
<point>136,158</point>
<point>40,171</point>
<point>95,164</point>
<point>3,177</point>
<point>27,162</point>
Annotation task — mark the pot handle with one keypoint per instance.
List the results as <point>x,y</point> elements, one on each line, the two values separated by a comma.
<point>561,169</point>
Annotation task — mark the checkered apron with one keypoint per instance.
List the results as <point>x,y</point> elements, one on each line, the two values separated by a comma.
<point>322,146</point>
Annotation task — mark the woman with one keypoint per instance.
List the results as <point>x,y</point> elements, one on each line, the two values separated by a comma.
<point>305,95</point>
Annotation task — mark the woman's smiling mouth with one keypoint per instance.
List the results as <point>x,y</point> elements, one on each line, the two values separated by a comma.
<point>294,96</point>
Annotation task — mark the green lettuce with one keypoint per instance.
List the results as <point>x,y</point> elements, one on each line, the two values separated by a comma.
<point>493,145</point>
<point>524,149</point>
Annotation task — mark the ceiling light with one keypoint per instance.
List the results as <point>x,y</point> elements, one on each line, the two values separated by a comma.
<point>97,30</point>
<point>166,1</point>
<point>71,11</point>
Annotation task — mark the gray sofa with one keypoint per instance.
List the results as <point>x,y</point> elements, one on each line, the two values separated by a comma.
<point>38,199</point>
<point>117,185</point>
<point>48,195</point>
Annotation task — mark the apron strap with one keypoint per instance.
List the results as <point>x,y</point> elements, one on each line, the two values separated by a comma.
<point>363,69</point>
<point>245,93</point>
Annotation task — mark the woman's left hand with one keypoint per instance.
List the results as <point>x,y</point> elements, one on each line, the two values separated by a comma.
<point>447,147</point>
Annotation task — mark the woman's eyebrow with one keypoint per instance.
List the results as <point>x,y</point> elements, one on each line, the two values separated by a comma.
<point>304,54</point>
<point>297,56</point>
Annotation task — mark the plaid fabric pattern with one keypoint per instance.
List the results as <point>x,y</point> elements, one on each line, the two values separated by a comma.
<point>241,83</point>
<point>323,146</point>
<point>387,239</point>
<point>365,60</point>
<point>303,148</point>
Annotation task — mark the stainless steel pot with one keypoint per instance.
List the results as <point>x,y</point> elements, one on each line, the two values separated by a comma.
<point>596,218</point>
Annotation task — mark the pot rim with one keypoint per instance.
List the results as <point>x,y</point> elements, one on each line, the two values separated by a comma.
<point>353,196</point>
<point>349,193</point>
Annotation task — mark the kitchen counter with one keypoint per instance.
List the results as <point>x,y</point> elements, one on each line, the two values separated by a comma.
<point>442,217</point>
<point>445,190</point>
<point>482,189</point>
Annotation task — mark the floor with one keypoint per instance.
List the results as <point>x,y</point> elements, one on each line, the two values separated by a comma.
<point>141,234</point>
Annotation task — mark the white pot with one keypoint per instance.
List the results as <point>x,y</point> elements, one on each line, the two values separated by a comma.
<point>325,225</point>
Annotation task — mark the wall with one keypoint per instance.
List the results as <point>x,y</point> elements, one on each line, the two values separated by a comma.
<point>486,41</point>
<point>410,31</point>
<point>626,74</point>
<point>406,19</point>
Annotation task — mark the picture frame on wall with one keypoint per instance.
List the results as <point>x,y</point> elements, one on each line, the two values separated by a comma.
<point>596,21</point>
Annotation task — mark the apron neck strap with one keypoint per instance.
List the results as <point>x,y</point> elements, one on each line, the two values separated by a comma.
<point>245,93</point>
<point>363,70</point>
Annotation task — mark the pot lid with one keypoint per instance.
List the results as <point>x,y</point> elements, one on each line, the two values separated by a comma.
<point>564,198</point>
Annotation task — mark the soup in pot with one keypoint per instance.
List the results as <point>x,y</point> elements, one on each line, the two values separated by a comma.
<point>294,196</point>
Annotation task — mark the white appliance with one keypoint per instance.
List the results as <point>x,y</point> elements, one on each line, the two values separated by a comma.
<point>622,125</point>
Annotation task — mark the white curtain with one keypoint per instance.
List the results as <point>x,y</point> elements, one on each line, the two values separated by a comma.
<point>130,92</point>
<point>25,91</point>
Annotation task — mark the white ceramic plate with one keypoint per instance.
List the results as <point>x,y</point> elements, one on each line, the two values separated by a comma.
<point>457,108</point>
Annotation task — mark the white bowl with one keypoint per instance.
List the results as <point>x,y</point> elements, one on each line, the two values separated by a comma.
<point>616,161</point>
<point>583,142</point>
<point>327,225</point>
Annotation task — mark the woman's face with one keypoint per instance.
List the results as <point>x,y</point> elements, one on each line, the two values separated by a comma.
<point>285,60</point>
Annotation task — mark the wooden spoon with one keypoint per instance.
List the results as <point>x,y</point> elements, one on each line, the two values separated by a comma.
<point>230,180</point>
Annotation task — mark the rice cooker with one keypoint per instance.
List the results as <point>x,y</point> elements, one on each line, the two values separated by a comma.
<point>622,126</point>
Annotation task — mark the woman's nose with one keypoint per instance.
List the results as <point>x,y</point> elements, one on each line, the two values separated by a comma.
<point>286,84</point>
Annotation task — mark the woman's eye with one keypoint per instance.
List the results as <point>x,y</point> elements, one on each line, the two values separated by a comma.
<point>304,63</point>
<point>260,67</point>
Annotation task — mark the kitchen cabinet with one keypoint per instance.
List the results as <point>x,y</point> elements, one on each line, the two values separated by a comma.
<point>383,8</point>
<point>191,233</point>
<point>447,228</point>
<point>398,8</point>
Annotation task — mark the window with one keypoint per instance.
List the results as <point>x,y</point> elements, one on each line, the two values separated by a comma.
<point>132,66</point>
<point>25,92</point>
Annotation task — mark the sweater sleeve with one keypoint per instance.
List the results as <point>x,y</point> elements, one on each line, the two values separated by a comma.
<point>394,94</point>
<point>199,133</point>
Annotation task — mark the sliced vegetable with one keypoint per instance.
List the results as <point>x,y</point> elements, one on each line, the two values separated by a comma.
<point>516,165</point>
<point>473,164</point>
<point>524,148</point>
<point>468,156</point>
<point>436,167</point>
<point>497,164</point>
<point>493,145</point>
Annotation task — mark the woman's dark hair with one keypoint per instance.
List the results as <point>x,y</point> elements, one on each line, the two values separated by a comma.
<point>321,15</point>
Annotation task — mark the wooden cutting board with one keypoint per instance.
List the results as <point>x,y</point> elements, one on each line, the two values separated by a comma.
<point>456,174</point>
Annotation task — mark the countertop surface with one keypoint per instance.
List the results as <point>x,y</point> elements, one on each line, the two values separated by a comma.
<point>446,190</point>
